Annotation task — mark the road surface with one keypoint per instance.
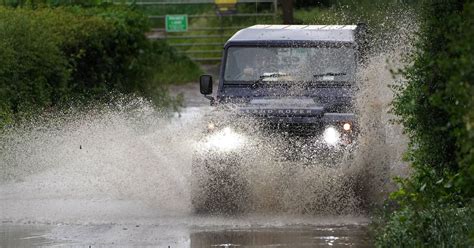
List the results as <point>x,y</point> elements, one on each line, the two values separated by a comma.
<point>110,180</point>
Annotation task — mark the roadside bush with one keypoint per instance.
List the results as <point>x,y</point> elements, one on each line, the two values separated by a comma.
<point>435,225</point>
<point>436,107</point>
<point>50,56</point>
<point>32,66</point>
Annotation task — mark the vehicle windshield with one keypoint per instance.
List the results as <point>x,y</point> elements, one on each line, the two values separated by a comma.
<point>249,64</point>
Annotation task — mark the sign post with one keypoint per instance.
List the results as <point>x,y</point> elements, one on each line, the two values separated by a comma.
<point>176,23</point>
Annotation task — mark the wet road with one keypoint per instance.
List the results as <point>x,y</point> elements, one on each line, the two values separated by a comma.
<point>87,200</point>
<point>107,235</point>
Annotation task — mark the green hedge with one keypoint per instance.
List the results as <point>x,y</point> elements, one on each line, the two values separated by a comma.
<point>432,226</point>
<point>50,56</point>
<point>436,107</point>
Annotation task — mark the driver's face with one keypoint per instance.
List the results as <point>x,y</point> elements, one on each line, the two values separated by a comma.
<point>249,72</point>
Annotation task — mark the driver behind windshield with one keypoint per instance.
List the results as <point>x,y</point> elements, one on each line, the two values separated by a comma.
<point>248,64</point>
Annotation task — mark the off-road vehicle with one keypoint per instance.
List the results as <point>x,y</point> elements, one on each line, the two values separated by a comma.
<point>294,82</point>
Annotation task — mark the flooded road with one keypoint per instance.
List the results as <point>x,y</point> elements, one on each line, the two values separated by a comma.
<point>120,178</point>
<point>110,185</point>
<point>315,236</point>
<point>82,194</point>
<point>157,235</point>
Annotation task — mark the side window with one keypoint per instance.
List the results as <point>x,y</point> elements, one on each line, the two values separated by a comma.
<point>231,68</point>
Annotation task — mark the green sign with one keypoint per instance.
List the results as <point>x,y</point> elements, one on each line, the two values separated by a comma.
<point>176,23</point>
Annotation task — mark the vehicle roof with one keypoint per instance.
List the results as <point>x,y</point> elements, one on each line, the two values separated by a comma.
<point>259,33</point>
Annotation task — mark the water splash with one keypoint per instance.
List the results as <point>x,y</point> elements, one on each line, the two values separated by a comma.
<point>132,152</point>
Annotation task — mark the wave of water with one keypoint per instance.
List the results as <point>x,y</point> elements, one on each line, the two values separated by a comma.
<point>130,152</point>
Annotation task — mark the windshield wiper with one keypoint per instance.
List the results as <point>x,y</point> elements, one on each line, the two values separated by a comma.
<point>259,81</point>
<point>330,74</point>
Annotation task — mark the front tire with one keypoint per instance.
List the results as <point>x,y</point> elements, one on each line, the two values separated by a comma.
<point>218,187</point>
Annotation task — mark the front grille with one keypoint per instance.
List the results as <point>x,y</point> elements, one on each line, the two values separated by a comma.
<point>293,129</point>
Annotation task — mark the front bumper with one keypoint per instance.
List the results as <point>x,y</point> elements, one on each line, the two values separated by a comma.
<point>311,126</point>
<point>326,118</point>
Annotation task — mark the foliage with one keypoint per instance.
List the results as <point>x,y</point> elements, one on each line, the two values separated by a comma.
<point>51,3</point>
<point>50,56</point>
<point>438,225</point>
<point>436,107</point>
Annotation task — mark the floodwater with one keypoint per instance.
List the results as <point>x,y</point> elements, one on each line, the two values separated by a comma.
<point>314,236</point>
<point>120,177</point>
<point>149,235</point>
<point>67,200</point>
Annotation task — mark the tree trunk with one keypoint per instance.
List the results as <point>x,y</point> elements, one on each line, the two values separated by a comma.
<point>287,6</point>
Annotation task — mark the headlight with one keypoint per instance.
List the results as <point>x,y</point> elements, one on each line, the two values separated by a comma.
<point>347,126</point>
<point>211,126</point>
<point>331,136</point>
<point>225,140</point>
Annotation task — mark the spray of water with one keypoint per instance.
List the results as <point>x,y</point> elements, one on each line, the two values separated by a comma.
<point>125,151</point>
<point>130,151</point>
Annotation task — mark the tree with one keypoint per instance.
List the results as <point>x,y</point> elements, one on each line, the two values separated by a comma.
<point>287,6</point>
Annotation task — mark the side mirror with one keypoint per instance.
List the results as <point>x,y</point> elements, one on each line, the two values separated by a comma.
<point>205,84</point>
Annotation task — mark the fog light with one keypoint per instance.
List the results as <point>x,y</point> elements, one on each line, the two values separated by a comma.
<point>331,136</point>
<point>347,126</point>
